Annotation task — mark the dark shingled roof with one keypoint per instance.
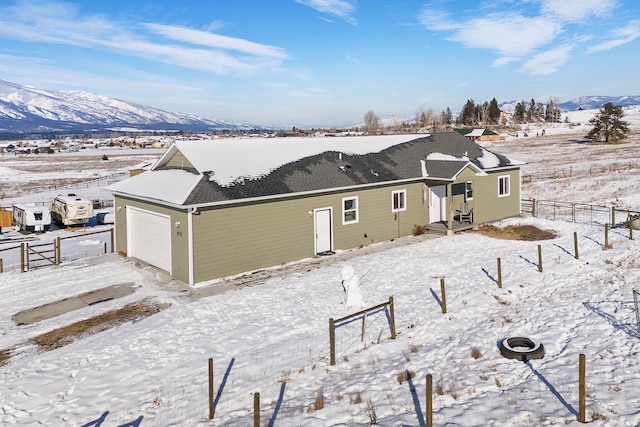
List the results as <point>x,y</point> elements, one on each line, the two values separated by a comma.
<point>331,169</point>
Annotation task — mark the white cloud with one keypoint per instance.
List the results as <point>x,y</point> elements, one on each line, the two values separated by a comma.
<point>620,36</point>
<point>526,30</point>
<point>61,23</point>
<point>509,34</point>
<point>577,10</point>
<point>204,38</point>
<point>548,62</point>
<point>343,9</point>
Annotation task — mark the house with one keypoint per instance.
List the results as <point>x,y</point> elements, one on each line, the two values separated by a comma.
<point>480,135</point>
<point>213,208</point>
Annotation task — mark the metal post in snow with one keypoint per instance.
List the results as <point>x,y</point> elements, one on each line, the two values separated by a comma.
<point>540,258</point>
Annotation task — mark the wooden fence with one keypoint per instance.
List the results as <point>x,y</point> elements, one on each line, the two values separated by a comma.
<point>41,253</point>
<point>363,313</point>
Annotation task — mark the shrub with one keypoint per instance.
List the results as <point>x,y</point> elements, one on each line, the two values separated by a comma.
<point>418,230</point>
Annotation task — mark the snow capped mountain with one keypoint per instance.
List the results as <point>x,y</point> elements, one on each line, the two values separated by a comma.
<point>580,103</point>
<point>30,109</point>
<point>595,102</point>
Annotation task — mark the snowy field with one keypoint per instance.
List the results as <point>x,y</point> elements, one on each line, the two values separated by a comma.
<point>273,337</point>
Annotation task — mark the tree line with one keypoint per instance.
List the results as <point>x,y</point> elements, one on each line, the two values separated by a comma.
<point>472,114</point>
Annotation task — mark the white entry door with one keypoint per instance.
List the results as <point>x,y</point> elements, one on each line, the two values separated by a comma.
<point>149,237</point>
<point>437,204</point>
<point>322,224</point>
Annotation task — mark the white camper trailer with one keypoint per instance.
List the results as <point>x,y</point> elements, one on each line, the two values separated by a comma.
<point>30,217</point>
<point>71,210</point>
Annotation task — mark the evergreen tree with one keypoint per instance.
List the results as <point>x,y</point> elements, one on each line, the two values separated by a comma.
<point>494,111</point>
<point>608,124</point>
<point>520,113</point>
<point>469,113</point>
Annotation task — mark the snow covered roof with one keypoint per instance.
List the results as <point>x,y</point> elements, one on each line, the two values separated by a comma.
<point>217,171</point>
<point>172,186</point>
<point>239,158</point>
<point>475,132</point>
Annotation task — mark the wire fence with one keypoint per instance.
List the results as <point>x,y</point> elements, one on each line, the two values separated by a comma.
<point>304,389</point>
<point>567,211</point>
<point>598,170</point>
<point>308,391</point>
<point>581,213</point>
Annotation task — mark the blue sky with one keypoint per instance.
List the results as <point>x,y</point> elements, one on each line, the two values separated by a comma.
<point>322,62</point>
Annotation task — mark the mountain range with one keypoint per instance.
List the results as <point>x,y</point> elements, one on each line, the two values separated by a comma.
<point>26,109</point>
<point>581,103</point>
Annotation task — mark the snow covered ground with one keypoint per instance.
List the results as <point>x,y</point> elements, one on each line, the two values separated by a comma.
<point>272,337</point>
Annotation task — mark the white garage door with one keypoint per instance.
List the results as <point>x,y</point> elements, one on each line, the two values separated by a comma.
<point>149,237</point>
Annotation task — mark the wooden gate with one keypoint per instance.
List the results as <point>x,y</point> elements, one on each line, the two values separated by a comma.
<point>40,255</point>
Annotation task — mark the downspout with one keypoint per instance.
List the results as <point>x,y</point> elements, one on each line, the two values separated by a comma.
<point>190,213</point>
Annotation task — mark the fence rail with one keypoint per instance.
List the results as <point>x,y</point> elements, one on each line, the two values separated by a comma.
<point>24,256</point>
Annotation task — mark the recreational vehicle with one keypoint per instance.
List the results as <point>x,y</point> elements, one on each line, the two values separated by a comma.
<point>71,210</point>
<point>30,217</point>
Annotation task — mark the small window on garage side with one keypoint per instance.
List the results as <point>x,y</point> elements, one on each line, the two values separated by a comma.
<point>399,200</point>
<point>350,210</point>
<point>504,186</point>
<point>468,191</point>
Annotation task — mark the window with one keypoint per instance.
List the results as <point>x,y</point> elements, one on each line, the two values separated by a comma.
<point>349,210</point>
<point>468,191</point>
<point>503,186</point>
<point>399,200</point>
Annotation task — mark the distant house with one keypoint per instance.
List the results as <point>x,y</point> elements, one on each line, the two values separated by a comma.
<point>214,208</point>
<point>480,135</point>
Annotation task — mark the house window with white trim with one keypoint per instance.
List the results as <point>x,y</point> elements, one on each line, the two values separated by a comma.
<point>350,210</point>
<point>504,186</point>
<point>399,200</point>
<point>468,191</point>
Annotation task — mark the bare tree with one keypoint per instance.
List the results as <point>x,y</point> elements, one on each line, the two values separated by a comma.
<point>371,122</point>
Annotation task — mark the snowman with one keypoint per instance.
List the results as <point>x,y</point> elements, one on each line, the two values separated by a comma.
<point>351,286</point>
